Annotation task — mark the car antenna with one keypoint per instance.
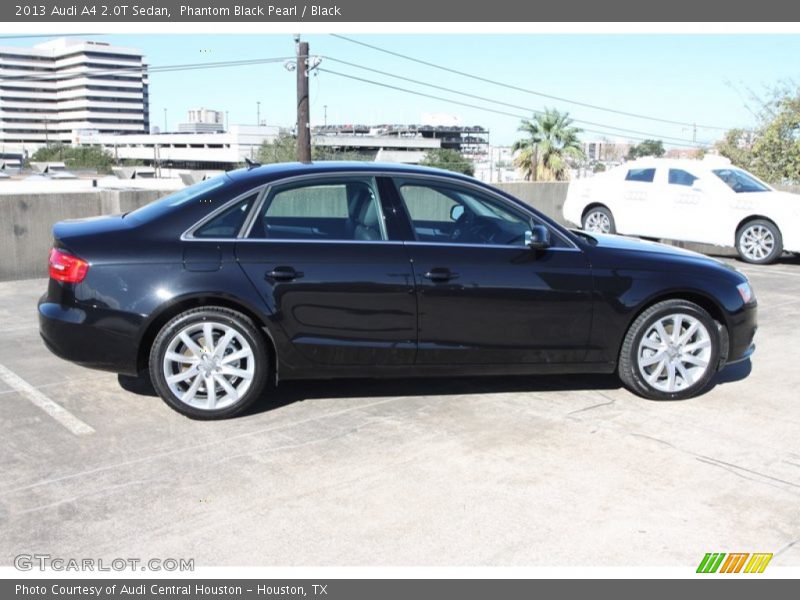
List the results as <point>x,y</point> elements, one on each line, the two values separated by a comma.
<point>251,164</point>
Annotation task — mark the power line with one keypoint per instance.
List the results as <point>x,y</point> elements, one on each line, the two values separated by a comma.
<point>500,102</point>
<point>450,100</point>
<point>148,69</point>
<point>48,35</point>
<point>526,90</point>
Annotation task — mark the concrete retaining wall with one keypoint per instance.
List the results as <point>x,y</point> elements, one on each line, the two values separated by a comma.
<point>26,220</point>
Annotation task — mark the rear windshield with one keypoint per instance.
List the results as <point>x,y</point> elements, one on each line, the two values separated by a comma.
<point>162,206</point>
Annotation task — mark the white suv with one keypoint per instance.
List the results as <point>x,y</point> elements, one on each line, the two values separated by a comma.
<point>707,201</point>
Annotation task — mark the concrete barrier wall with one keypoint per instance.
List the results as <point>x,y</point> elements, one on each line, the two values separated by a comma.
<point>545,196</point>
<point>26,223</point>
<point>26,220</point>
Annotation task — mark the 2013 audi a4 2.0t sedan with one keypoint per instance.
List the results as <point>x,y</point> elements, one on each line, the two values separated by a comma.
<point>366,270</point>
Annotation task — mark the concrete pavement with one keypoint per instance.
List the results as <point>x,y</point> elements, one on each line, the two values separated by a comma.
<point>493,471</point>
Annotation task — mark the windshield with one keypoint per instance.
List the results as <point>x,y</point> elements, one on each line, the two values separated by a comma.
<point>740,181</point>
<point>163,205</point>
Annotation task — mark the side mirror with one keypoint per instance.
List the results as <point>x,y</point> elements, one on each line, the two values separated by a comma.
<point>456,211</point>
<point>538,237</point>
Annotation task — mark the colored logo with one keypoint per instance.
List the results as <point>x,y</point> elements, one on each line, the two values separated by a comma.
<point>735,562</point>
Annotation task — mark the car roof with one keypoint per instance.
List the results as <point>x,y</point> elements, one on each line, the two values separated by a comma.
<point>262,174</point>
<point>709,162</point>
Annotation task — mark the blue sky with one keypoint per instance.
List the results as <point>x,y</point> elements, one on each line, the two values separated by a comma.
<point>690,78</point>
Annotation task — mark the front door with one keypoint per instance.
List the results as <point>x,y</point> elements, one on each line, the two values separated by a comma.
<point>484,296</point>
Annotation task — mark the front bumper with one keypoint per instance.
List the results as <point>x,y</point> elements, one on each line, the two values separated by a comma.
<point>742,329</point>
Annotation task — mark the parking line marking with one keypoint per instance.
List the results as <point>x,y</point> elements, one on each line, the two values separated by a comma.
<point>38,399</point>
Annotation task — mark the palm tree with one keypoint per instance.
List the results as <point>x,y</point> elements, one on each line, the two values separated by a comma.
<point>551,143</point>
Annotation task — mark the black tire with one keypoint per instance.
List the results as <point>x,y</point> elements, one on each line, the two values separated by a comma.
<point>772,234</point>
<point>629,369</point>
<point>249,336</point>
<point>598,212</point>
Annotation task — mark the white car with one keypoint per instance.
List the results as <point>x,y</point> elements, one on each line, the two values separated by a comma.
<point>707,201</point>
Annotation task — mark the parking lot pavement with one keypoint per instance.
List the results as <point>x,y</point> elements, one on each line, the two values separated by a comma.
<point>521,471</point>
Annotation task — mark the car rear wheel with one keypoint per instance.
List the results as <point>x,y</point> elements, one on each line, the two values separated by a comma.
<point>759,242</point>
<point>670,352</point>
<point>209,363</point>
<point>599,220</point>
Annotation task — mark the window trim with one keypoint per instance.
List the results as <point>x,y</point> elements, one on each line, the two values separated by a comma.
<point>393,176</point>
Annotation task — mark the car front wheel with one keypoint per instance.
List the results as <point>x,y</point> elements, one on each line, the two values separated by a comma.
<point>209,363</point>
<point>599,220</point>
<point>670,352</point>
<point>759,242</point>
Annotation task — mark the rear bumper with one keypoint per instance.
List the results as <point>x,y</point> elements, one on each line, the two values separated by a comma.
<point>84,338</point>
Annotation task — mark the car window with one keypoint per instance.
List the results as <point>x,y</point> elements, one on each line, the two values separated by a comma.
<point>641,175</point>
<point>198,191</point>
<point>228,223</point>
<point>454,215</point>
<point>681,177</point>
<point>329,210</point>
<point>740,181</point>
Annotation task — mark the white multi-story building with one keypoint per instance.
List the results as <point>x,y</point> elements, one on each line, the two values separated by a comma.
<point>53,89</point>
<point>203,120</point>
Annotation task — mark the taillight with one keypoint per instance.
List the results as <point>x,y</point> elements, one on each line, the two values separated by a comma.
<point>66,267</point>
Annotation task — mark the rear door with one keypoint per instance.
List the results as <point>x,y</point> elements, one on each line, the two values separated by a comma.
<point>687,209</point>
<point>320,254</point>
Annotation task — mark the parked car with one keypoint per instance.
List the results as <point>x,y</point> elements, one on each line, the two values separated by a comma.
<point>367,270</point>
<point>707,201</point>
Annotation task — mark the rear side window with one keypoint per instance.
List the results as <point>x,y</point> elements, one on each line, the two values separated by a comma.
<point>681,177</point>
<point>228,223</point>
<point>641,175</point>
<point>323,210</point>
<point>194,193</point>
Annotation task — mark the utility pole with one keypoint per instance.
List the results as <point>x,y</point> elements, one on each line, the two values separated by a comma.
<point>165,120</point>
<point>258,113</point>
<point>303,110</point>
<point>694,132</point>
<point>325,122</point>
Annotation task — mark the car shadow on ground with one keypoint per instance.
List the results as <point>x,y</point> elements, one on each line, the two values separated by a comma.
<point>292,391</point>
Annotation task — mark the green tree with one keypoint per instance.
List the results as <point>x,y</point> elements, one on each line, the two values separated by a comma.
<point>76,157</point>
<point>647,148</point>
<point>281,149</point>
<point>772,149</point>
<point>549,148</point>
<point>448,159</point>
<point>737,147</point>
<point>284,149</point>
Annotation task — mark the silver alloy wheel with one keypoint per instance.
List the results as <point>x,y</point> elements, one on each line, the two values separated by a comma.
<point>756,242</point>
<point>597,222</point>
<point>209,365</point>
<point>675,353</point>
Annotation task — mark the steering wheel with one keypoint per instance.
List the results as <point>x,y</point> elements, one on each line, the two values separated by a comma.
<point>474,229</point>
<point>462,226</point>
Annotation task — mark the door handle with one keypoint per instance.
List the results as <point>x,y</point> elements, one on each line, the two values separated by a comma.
<point>440,274</point>
<point>284,274</point>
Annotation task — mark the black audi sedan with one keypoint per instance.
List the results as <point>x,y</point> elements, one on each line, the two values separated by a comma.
<point>374,270</point>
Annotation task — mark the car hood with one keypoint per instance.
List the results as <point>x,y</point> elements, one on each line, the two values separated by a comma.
<point>617,251</point>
